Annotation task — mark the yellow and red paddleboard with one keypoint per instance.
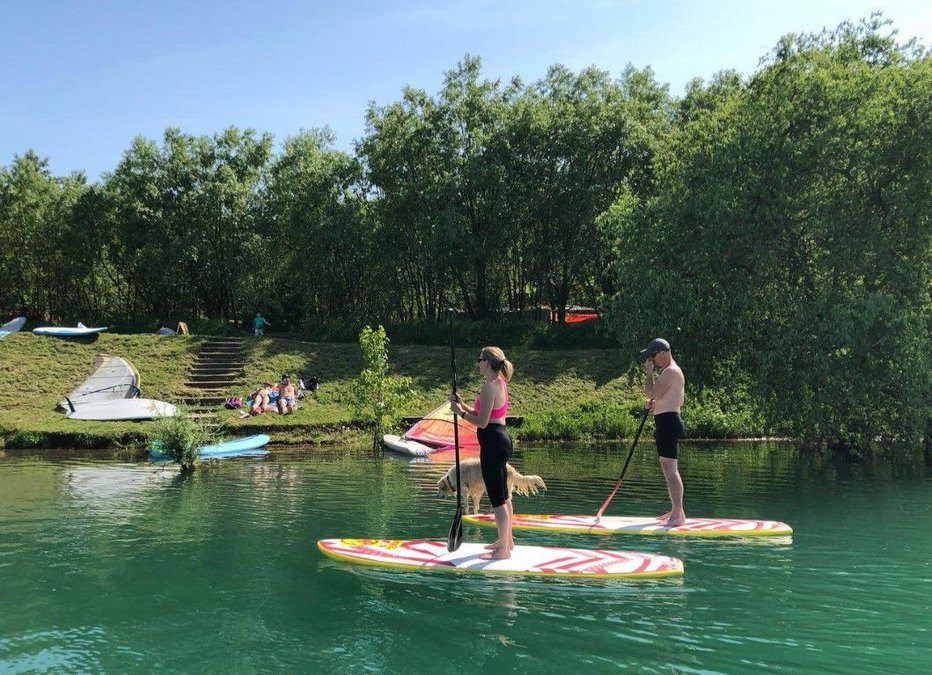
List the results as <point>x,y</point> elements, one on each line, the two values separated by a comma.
<point>695,527</point>
<point>432,555</point>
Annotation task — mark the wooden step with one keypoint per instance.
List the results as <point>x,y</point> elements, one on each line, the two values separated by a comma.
<point>225,376</point>
<point>210,388</point>
<point>206,400</point>
<point>208,366</point>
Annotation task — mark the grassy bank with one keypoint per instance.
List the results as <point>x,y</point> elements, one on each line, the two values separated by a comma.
<point>561,394</point>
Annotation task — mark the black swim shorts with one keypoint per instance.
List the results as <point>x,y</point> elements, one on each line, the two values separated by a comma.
<point>668,428</point>
<point>494,451</point>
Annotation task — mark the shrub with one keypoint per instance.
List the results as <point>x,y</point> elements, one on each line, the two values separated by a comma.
<point>179,437</point>
<point>378,398</point>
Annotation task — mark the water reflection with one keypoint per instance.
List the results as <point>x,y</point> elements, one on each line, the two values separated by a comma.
<point>114,488</point>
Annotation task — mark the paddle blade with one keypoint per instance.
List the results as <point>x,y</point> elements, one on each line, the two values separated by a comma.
<point>455,538</point>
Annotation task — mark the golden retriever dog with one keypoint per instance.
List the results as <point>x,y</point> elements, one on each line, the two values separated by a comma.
<point>474,486</point>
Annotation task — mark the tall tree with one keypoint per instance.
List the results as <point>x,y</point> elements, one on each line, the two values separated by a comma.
<point>35,238</point>
<point>580,141</point>
<point>319,234</point>
<point>789,237</point>
<point>438,168</point>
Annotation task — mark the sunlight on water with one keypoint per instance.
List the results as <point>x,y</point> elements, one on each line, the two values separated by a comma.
<point>103,565</point>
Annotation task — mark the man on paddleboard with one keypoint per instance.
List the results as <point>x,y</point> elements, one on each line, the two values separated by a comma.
<point>664,399</point>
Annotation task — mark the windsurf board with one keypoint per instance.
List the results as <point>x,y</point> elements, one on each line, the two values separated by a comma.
<point>123,409</point>
<point>405,446</point>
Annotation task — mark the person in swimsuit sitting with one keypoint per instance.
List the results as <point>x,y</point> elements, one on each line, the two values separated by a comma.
<point>287,396</point>
<point>488,414</point>
<point>261,398</point>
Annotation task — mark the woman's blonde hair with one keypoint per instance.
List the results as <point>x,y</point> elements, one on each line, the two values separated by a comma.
<point>498,362</point>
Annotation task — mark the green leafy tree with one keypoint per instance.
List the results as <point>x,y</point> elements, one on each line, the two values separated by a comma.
<point>319,232</point>
<point>377,396</point>
<point>36,232</point>
<point>184,220</point>
<point>791,239</point>
<point>437,165</point>
<point>410,178</point>
<point>578,142</point>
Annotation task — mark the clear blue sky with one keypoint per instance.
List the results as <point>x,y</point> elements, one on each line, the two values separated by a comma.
<point>80,80</point>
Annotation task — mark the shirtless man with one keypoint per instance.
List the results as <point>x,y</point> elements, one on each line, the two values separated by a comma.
<point>664,399</point>
<point>287,396</point>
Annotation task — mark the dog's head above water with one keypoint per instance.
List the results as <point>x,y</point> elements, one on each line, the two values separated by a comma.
<point>470,473</point>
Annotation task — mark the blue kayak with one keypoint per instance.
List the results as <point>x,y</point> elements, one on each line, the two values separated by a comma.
<point>239,447</point>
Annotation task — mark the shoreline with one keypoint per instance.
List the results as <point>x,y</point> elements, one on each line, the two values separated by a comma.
<point>562,396</point>
<point>58,442</point>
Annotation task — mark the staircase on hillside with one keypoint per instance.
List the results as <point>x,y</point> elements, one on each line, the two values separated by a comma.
<point>216,373</point>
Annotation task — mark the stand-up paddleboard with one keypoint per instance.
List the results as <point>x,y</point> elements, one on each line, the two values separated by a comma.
<point>694,527</point>
<point>247,446</point>
<point>432,555</point>
<point>13,326</point>
<point>64,331</point>
<point>123,409</point>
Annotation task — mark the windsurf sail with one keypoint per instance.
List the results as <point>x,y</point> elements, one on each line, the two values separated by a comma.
<point>436,430</point>
<point>13,326</point>
<point>111,378</point>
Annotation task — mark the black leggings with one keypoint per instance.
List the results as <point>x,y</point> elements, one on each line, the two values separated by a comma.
<point>668,427</point>
<point>494,451</point>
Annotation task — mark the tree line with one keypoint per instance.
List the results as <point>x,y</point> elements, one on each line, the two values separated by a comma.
<point>776,228</point>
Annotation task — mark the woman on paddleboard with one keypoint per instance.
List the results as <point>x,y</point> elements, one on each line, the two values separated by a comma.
<point>488,414</point>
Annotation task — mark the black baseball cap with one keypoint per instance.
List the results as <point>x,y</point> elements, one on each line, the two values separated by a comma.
<point>656,345</point>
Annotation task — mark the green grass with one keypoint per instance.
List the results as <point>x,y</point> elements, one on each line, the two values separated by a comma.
<point>36,372</point>
<point>561,394</point>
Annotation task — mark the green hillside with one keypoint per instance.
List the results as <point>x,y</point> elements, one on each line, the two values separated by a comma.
<point>560,394</point>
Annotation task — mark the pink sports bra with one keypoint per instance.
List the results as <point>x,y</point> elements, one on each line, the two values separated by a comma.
<point>496,412</point>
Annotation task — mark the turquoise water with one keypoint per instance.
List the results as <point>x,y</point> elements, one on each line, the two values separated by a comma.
<point>108,567</point>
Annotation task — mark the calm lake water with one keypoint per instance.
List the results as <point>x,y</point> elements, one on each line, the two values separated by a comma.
<point>108,567</point>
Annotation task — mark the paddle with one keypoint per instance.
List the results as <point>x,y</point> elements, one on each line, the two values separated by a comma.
<point>455,538</point>
<point>634,443</point>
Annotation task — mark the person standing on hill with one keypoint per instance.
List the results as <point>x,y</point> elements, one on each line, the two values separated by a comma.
<point>665,399</point>
<point>259,324</point>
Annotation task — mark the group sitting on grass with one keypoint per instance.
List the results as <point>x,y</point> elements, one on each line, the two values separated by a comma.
<point>282,397</point>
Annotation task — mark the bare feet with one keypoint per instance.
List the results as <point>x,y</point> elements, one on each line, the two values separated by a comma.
<point>495,545</point>
<point>497,554</point>
<point>676,521</point>
<point>665,516</point>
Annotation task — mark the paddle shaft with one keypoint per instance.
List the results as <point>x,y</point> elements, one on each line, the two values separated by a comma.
<point>456,529</point>
<point>625,467</point>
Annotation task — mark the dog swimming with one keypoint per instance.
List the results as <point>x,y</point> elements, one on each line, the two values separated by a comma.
<point>474,486</point>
